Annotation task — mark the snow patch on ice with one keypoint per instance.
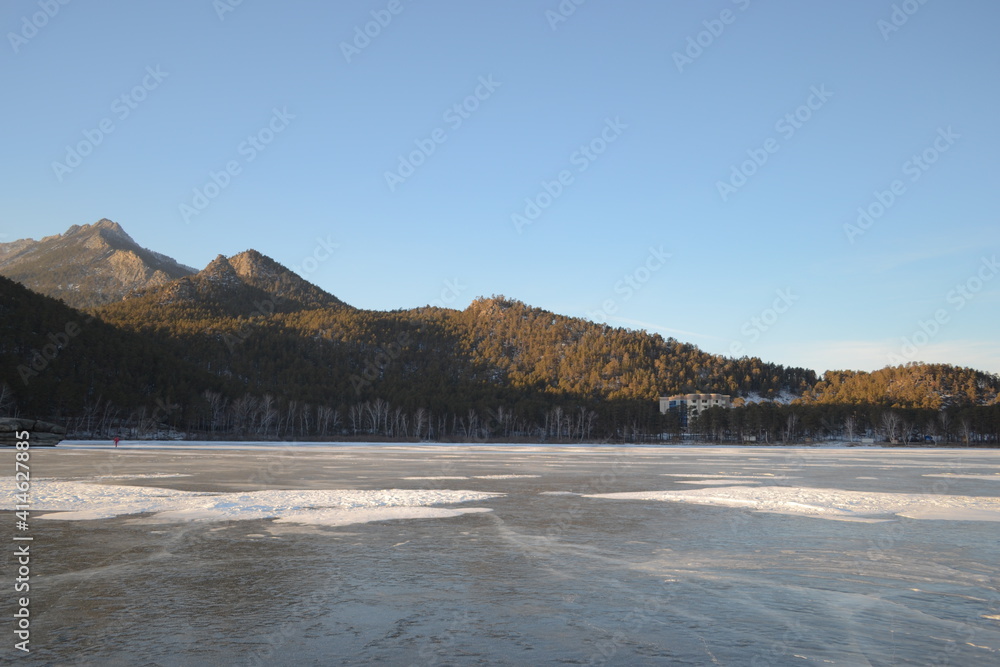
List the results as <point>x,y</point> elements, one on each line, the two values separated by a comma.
<point>718,476</point>
<point>85,501</point>
<point>504,476</point>
<point>717,482</point>
<point>152,475</point>
<point>994,478</point>
<point>433,478</point>
<point>338,517</point>
<point>836,504</point>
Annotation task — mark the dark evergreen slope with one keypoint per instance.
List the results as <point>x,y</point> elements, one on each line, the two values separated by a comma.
<point>87,266</point>
<point>58,363</point>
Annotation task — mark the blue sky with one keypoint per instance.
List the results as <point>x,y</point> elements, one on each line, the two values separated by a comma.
<point>697,167</point>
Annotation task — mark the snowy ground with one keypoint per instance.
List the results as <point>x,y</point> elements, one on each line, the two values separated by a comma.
<point>182,554</point>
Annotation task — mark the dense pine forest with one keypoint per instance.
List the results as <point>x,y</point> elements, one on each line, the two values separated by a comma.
<point>247,349</point>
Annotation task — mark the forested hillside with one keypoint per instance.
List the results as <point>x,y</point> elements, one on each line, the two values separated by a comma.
<point>65,365</point>
<point>931,386</point>
<point>246,348</point>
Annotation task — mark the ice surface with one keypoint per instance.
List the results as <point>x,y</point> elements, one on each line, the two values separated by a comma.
<point>531,573</point>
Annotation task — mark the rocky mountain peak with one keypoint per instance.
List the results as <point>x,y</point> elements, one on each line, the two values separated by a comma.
<point>105,229</point>
<point>87,265</point>
<point>113,232</point>
<point>220,270</point>
<point>252,264</point>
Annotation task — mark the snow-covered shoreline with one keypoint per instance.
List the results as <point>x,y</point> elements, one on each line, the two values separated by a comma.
<point>174,445</point>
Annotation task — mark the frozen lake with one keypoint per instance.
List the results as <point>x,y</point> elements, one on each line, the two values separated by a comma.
<point>508,555</point>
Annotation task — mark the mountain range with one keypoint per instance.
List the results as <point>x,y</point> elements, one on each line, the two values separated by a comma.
<point>137,333</point>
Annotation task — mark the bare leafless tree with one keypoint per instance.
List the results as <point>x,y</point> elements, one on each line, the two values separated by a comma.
<point>850,427</point>
<point>217,410</point>
<point>905,430</point>
<point>945,421</point>
<point>89,417</point>
<point>472,429</point>
<point>555,421</point>
<point>588,424</point>
<point>306,419</point>
<point>377,416</point>
<point>966,425</point>
<point>791,426</point>
<point>890,424</point>
<point>326,418</point>
<point>268,414</point>
<point>420,421</point>
<point>292,409</point>
<point>242,410</point>
<point>109,419</point>
<point>400,423</point>
<point>502,417</point>
<point>7,404</point>
<point>356,415</point>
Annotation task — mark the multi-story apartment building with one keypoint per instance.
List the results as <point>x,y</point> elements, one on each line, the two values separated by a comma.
<point>693,404</point>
